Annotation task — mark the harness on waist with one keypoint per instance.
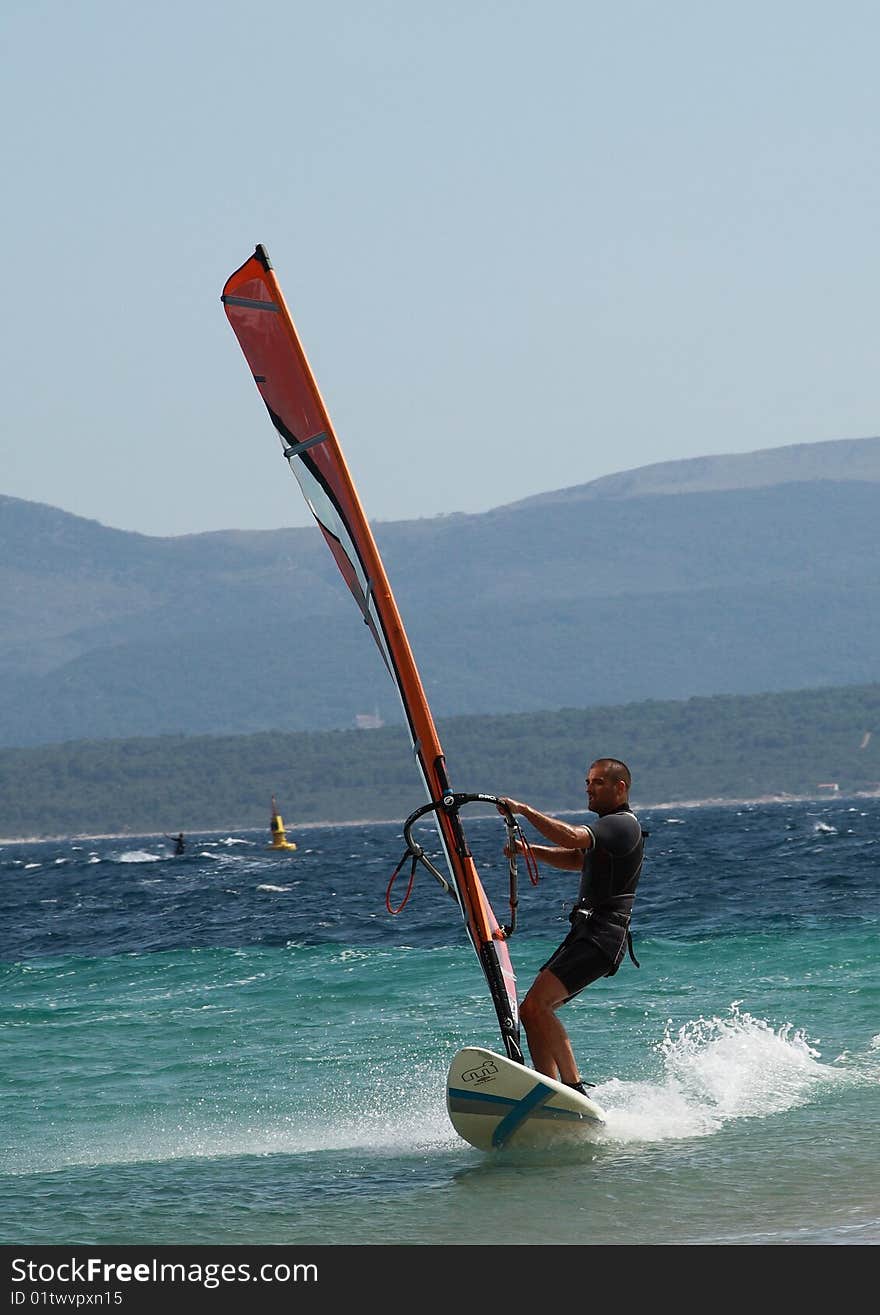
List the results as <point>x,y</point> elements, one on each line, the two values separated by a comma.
<point>629,946</point>
<point>622,903</point>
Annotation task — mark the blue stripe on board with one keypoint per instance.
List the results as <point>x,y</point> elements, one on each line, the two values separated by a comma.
<point>459,1098</point>
<point>520,1112</point>
<point>469,1102</point>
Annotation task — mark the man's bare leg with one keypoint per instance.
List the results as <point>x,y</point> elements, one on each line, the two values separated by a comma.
<point>548,1041</point>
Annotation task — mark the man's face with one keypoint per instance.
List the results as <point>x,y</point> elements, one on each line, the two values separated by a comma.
<point>603,793</point>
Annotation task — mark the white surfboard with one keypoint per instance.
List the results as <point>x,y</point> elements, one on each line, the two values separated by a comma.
<point>494,1102</point>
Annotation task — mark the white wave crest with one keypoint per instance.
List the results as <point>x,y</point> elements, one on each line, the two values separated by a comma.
<point>717,1070</point>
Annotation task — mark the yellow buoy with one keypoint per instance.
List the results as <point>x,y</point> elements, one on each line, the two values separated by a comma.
<point>279,839</point>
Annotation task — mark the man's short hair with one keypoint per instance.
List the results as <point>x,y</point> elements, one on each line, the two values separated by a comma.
<point>617,770</point>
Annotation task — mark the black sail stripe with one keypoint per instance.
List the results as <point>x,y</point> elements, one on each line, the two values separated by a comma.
<point>251,303</point>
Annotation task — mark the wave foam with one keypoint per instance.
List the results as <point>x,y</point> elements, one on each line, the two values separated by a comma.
<point>717,1070</point>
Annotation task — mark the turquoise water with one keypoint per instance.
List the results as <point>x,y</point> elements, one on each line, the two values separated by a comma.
<point>241,1047</point>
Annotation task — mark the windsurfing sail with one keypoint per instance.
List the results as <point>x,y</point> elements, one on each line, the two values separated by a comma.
<point>262,323</point>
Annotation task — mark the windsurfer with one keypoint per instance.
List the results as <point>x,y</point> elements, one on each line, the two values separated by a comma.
<point>179,845</point>
<point>608,854</point>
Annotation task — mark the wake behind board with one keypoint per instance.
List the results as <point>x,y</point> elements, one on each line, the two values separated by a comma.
<point>494,1102</point>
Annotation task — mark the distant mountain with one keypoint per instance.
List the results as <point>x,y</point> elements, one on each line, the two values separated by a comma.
<point>844,459</point>
<point>726,575</point>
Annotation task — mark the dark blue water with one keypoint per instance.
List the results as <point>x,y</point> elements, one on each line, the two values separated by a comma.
<point>238,1045</point>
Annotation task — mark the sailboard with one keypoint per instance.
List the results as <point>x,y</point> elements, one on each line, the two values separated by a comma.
<point>262,323</point>
<point>495,1104</point>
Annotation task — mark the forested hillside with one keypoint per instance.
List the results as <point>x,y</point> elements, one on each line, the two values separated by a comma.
<point>726,747</point>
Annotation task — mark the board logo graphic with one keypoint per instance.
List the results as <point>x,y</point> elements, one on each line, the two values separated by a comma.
<point>484,1072</point>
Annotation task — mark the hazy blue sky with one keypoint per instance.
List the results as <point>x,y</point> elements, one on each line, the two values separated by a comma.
<point>525,245</point>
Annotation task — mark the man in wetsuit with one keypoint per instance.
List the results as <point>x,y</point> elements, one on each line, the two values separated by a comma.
<point>608,854</point>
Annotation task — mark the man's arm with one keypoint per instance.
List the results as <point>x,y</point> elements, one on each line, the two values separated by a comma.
<point>570,860</point>
<point>552,829</point>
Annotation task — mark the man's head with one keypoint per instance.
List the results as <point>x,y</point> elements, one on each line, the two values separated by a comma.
<point>608,783</point>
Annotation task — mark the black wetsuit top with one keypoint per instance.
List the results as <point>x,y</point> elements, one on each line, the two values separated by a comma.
<point>610,874</point>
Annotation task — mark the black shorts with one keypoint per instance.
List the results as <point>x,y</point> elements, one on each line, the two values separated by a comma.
<point>578,961</point>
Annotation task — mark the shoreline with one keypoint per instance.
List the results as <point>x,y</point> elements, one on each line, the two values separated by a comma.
<point>711,802</point>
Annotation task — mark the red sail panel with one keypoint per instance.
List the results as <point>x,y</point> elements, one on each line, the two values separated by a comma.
<point>266,334</point>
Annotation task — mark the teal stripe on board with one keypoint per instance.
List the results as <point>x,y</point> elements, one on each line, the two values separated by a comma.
<point>538,1095</point>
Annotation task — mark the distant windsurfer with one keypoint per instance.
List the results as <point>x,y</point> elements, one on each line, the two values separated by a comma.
<point>179,845</point>
<point>608,854</point>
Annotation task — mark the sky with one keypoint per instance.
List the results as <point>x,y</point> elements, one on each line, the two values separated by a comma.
<point>525,245</point>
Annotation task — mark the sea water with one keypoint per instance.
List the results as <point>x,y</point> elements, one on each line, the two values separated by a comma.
<point>241,1046</point>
